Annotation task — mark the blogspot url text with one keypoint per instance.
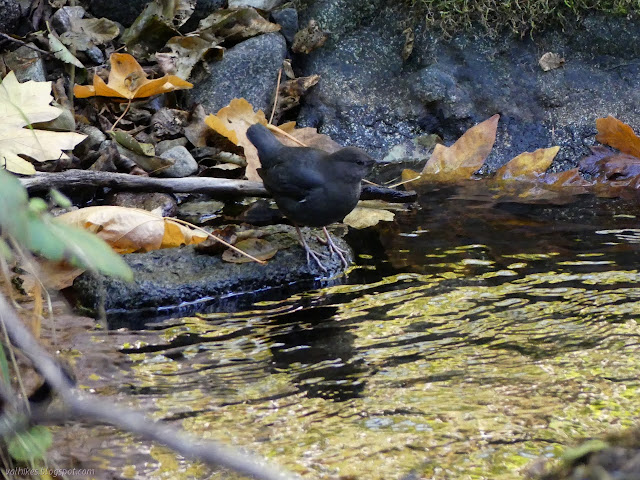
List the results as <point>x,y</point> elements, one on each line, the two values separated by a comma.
<point>54,472</point>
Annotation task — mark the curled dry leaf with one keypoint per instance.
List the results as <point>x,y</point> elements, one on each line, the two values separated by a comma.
<point>550,61</point>
<point>128,80</point>
<point>309,38</point>
<point>131,229</point>
<point>235,24</point>
<point>617,134</point>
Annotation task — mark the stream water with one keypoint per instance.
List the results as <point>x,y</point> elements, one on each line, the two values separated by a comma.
<point>473,338</point>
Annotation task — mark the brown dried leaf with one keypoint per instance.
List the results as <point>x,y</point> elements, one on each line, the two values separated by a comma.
<point>617,134</point>
<point>309,38</point>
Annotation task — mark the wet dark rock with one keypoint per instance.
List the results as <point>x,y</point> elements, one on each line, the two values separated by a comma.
<point>248,70</point>
<point>287,18</point>
<point>379,101</point>
<point>10,18</point>
<point>168,279</point>
<point>125,13</point>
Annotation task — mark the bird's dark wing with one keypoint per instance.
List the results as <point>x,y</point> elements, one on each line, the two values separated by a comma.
<point>294,176</point>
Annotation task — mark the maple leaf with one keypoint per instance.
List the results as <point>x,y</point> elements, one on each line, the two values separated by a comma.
<point>128,80</point>
<point>22,104</point>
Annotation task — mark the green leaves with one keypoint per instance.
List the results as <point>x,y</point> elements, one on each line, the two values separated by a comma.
<point>31,444</point>
<point>30,226</point>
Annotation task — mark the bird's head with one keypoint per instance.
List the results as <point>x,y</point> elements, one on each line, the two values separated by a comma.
<point>355,164</point>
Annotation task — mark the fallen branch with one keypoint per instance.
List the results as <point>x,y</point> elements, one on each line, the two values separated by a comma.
<point>96,409</point>
<point>72,179</point>
<point>216,187</point>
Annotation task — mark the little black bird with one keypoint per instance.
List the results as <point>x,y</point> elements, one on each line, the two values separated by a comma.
<point>311,187</point>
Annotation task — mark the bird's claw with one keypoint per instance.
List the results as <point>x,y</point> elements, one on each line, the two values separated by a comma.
<point>333,248</point>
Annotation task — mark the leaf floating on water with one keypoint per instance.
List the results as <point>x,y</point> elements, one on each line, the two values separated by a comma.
<point>528,164</point>
<point>463,158</point>
<point>362,217</point>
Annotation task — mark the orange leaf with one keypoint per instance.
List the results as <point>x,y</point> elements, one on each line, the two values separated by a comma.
<point>232,122</point>
<point>463,158</point>
<point>528,163</point>
<point>617,134</point>
<point>128,80</point>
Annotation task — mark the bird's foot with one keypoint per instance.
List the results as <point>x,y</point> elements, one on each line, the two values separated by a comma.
<point>310,253</point>
<point>316,257</point>
<point>333,248</point>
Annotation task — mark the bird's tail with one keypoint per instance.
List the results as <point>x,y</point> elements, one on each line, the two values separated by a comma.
<point>265,142</point>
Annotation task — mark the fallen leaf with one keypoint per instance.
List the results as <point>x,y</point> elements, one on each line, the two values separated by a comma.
<point>465,156</point>
<point>528,164</point>
<point>22,104</point>
<point>185,52</point>
<point>617,134</point>
<point>257,247</point>
<point>550,61</point>
<point>86,33</point>
<point>131,229</point>
<point>128,80</point>
<point>361,217</point>
<point>309,38</point>
<point>232,123</point>
<point>235,24</point>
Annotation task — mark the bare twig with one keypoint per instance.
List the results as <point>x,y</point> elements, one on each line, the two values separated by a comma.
<point>275,100</point>
<point>97,409</point>
<point>25,44</point>
<point>216,187</point>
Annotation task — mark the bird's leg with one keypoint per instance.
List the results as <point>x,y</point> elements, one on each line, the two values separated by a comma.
<point>310,253</point>
<point>334,248</point>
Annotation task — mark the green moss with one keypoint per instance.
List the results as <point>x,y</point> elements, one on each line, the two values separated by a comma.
<point>522,18</point>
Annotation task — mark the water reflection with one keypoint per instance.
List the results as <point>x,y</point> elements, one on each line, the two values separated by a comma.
<point>475,337</point>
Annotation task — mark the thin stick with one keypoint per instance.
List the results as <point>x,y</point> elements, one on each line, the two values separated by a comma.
<point>282,132</point>
<point>25,44</point>
<point>121,116</point>
<point>275,101</point>
<point>404,181</point>
<point>218,239</point>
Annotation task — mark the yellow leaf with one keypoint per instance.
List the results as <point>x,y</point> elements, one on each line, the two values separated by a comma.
<point>528,163</point>
<point>232,122</point>
<point>617,134</point>
<point>22,104</point>
<point>463,158</point>
<point>128,80</point>
<point>131,229</point>
<point>361,217</point>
